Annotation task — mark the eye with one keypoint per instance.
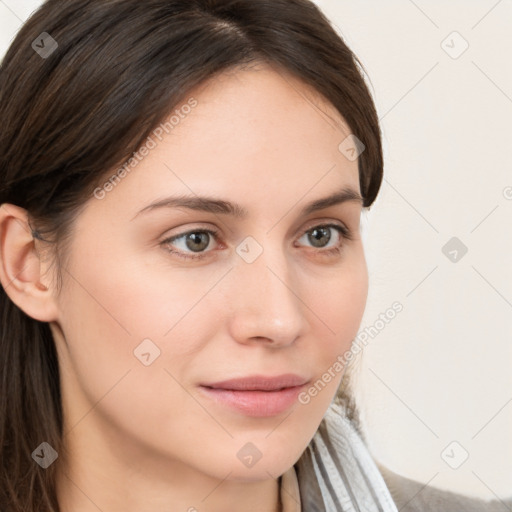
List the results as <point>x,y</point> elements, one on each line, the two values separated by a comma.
<point>196,241</point>
<point>320,236</point>
<point>193,244</point>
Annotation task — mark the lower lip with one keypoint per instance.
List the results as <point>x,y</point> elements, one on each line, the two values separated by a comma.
<point>256,403</point>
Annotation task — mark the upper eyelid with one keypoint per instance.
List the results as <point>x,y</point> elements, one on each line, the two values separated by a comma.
<point>215,231</point>
<point>345,231</point>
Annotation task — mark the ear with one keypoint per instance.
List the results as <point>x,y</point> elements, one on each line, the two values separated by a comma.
<point>20,266</point>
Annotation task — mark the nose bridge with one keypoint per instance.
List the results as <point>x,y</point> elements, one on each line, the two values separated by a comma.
<point>266,302</point>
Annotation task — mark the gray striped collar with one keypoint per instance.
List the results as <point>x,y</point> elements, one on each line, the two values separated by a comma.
<point>336,472</point>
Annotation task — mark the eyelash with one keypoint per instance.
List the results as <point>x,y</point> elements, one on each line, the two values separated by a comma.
<point>344,232</point>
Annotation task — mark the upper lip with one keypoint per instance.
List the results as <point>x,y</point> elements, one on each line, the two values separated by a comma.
<point>259,383</point>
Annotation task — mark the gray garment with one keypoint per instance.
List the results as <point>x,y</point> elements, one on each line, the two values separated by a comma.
<point>337,473</point>
<point>412,496</point>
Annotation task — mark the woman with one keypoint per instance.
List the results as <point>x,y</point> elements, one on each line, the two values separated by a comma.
<point>139,372</point>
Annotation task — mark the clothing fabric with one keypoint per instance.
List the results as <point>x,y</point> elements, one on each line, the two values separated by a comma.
<point>336,473</point>
<point>408,495</point>
<point>413,496</point>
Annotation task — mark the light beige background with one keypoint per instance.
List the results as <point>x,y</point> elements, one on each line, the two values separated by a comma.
<point>440,371</point>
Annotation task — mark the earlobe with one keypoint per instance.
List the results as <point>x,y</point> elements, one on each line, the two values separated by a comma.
<point>20,266</point>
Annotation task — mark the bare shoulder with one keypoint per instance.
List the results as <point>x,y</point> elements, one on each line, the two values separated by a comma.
<point>412,496</point>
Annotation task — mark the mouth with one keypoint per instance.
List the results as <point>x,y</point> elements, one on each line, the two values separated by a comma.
<point>256,396</point>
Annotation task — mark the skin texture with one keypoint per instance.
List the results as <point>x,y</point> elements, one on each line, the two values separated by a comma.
<point>144,438</point>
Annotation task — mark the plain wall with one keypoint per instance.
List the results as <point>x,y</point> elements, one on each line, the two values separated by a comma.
<point>435,382</point>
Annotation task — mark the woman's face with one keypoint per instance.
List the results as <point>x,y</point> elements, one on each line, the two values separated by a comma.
<point>144,322</point>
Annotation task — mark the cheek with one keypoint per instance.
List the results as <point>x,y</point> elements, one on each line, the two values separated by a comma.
<point>105,382</point>
<point>108,309</point>
<point>132,299</point>
<point>339,303</point>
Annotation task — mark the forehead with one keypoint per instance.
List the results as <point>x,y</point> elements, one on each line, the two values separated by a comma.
<point>258,134</point>
<point>270,106</point>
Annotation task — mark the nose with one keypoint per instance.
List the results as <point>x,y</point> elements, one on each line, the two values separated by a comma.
<point>266,302</point>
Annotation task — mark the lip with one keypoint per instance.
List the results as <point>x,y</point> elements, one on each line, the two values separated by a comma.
<point>257,395</point>
<point>259,383</point>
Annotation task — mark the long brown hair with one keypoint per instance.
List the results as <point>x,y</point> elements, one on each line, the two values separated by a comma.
<point>70,116</point>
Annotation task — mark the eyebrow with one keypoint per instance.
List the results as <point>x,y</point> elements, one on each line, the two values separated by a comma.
<point>220,206</point>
